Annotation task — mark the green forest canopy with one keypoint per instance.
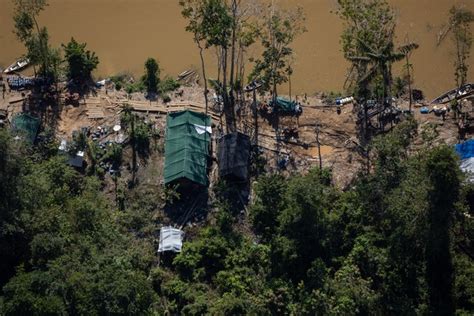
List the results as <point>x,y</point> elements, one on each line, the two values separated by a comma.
<point>314,249</point>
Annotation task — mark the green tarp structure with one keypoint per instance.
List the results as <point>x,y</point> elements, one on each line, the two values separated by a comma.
<point>26,125</point>
<point>285,105</point>
<point>187,147</point>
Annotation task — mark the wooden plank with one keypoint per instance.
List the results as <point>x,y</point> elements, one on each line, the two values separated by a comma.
<point>93,102</point>
<point>13,100</point>
<point>149,109</point>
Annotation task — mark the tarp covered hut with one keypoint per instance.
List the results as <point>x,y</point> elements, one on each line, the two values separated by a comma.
<point>233,156</point>
<point>188,136</point>
<point>171,239</point>
<point>286,106</point>
<point>25,125</point>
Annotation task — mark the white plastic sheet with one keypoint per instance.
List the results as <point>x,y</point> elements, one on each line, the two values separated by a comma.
<point>171,239</point>
<point>467,165</point>
<point>201,129</point>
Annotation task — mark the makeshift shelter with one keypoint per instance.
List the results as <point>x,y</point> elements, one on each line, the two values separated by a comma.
<point>466,152</point>
<point>26,126</point>
<point>171,239</point>
<point>234,155</point>
<point>76,160</point>
<point>188,136</point>
<point>286,106</point>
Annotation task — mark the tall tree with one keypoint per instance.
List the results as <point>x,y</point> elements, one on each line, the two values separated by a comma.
<point>152,75</point>
<point>379,62</point>
<point>278,30</point>
<point>12,242</point>
<point>191,11</point>
<point>407,50</point>
<point>34,37</point>
<point>367,37</point>
<point>211,22</point>
<point>443,174</point>
<point>80,62</point>
<point>460,27</point>
<point>224,26</point>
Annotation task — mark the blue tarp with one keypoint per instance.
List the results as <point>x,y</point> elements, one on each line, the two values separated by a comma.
<point>19,83</point>
<point>424,110</point>
<point>466,149</point>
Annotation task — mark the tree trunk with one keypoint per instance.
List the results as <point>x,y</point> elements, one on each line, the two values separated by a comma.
<point>232,67</point>
<point>255,117</point>
<point>134,149</point>
<point>319,148</point>
<point>289,86</point>
<point>203,74</point>
<point>43,46</point>
<point>409,81</point>
<point>228,106</point>
<point>219,64</point>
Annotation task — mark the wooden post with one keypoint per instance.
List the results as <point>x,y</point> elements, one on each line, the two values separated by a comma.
<point>255,116</point>
<point>319,148</point>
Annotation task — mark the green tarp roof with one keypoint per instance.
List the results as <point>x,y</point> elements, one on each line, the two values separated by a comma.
<point>26,125</point>
<point>284,105</point>
<point>187,147</point>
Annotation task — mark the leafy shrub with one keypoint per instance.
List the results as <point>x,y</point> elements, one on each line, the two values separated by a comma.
<point>167,85</point>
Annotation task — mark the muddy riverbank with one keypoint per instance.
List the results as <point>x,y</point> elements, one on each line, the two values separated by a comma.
<point>125,32</point>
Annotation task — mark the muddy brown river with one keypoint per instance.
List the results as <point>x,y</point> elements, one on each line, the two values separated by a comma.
<point>124,33</point>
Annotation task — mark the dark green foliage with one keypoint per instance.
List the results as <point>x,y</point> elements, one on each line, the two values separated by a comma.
<point>12,242</point>
<point>460,21</point>
<point>168,84</point>
<point>152,75</point>
<point>397,242</point>
<point>80,62</point>
<point>278,30</point>
<point>35,38</point>
<point>113,155</point>
<point>270,202</point>
<point>141,137</point>
<point>443,174</point>
<point>368,43</point>
<point>72,258</point>
<point>303,223</point>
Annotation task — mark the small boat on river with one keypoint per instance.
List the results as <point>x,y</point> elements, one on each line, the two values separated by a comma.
<point>18,65</point>
<point>455,94</point>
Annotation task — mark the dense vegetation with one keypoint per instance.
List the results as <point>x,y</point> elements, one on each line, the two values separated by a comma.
<point>399,241</point>
<point>80,62</point>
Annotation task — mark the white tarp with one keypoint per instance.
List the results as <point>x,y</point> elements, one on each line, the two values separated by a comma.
<point>201,129</point>
<point>63,145</point>
<point>467,165</point>
<point>171,239</point>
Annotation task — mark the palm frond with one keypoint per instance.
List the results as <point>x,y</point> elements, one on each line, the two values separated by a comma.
<point>367,46</point>
<point>359,58</point>
<point>407,48</point>
<point>368,76</point>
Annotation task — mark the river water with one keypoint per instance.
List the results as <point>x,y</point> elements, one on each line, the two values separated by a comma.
<point>124,33</point>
